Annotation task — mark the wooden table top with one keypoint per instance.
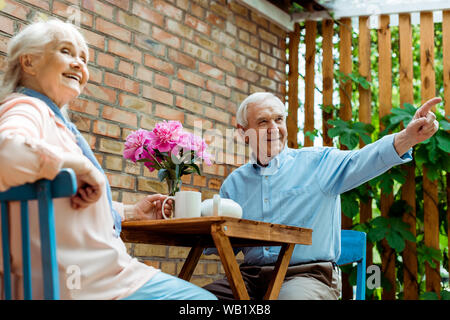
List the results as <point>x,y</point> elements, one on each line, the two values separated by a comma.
<point>188,232</point>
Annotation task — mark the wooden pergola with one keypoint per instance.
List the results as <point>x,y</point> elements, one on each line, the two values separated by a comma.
<point>343,12</point>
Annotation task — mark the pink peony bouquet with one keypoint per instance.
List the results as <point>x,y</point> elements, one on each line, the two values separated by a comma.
<point>168,149</point>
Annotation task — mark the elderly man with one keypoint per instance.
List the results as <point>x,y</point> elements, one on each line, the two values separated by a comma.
<point>301,187</point>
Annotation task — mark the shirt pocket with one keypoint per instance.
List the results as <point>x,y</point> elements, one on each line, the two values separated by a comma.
<point>290,202</point>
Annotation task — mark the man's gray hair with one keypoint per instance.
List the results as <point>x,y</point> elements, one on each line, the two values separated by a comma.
<point>32,40</point>
<point>241,114</point>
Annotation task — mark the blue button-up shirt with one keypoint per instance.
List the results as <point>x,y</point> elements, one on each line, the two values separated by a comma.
<point>301,187</point>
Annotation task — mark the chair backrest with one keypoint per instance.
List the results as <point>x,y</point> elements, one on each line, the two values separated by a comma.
<point>353,249</point>
<point>44,191</point>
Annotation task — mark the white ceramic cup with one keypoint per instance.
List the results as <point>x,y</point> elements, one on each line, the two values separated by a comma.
<point>187,205</point>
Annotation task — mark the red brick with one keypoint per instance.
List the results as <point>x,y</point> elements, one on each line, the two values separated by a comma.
<point>112,29</point>
<point>7,25</point>
<point>133,22</point>
<point>144,74</point>
<point>106,60</point>
<point>15,9</point>
<point>181,58</point>
<point>157,95</point>
<point>169,113</point>
<point>246,24</point>
<point>40,3</point>
<point>217,115</point>
<point>218,88</point>
<point>166,38</point>
<point>121,180</point>
<point>85,106</point>
<point>179,29</point>
<point>101,93</point>
<point>237,83</point>
<point>197,51</point>
<point>70,12</point>
<point>168,10</point>
<point>177,86</point>
<point>190,105</point>
<point>224,64</point>
<point>118,115</point>
<point>126,67</point>
<point>210,71</point>
<point>93,39</point>
<point>162,81</point>
<point>128,101</point>
<point>95,74</point>
<point>147,14</point>
<point>124,4</point>
<point>124,50</point>
<point>191,78</point>
<point>122,83</point>
<point>106,129</point>
<point>197,24</point>
<point>158,64</point>
<point>197,11</point>
<point>100,8</point>
<point>215,20</point>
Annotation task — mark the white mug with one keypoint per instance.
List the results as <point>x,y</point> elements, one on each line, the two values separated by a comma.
<point>221,207</point>
<point>187,205</point>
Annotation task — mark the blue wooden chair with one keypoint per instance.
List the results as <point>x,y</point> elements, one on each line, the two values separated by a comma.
<point>44,191</point>
<point>353,249</point>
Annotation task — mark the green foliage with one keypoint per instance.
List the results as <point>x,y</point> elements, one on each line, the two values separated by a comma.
<point>432,154</point>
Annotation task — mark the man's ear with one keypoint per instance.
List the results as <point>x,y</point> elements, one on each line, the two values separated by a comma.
<point>28,64</point>
<point>241,131</point>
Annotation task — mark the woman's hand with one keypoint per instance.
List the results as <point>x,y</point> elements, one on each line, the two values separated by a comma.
<point>148,208</point>
<point>90,181</point>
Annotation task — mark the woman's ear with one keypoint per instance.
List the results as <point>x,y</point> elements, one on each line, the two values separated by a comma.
<point>28,64</point>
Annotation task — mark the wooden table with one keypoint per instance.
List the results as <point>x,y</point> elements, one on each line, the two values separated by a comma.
<point>224,233</point>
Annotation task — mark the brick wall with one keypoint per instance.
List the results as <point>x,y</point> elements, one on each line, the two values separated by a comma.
<point>187,60</point>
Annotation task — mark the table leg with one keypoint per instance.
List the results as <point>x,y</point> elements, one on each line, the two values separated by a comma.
<point>191,262</point>
<point>280,271</point>
<point>229,263</point>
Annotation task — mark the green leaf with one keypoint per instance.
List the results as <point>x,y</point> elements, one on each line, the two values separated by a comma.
<point>429,295</point>
<point>443,141</point>
<point>350,140</point>
<point>196,168</point>
<point>395,241</point>
<point>444,125</point>
<point>163,174</point>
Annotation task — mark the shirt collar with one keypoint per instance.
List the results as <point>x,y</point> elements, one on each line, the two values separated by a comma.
<point>273,165</point>
<point>33,93</point>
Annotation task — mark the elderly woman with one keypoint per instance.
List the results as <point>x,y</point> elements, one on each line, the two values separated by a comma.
<point>46,69</point>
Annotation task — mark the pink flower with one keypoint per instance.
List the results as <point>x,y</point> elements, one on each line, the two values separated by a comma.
<point>134,145</point>
<point>165,136</point>
<point>189,141</point>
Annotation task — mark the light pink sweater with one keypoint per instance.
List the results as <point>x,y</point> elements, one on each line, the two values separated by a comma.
<point>92,263</point>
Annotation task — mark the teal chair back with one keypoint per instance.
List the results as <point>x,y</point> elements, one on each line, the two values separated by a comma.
<point>44,191</point>
<point>353,249</point>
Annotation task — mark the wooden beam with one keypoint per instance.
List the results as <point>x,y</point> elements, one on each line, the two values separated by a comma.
<point>292,119</point>
<point>385,100</point>
<point>271,13</point>
<point>409,255</point>
<point>327,78</point>
<point>446,59</point>
<point>341,8</point>
<point>430,188</point>
<point>365,113</point>
<point>310,42</point>
<point>345,113</point>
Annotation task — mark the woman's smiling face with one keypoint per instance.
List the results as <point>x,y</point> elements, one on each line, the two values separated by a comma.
<point>61,72</point>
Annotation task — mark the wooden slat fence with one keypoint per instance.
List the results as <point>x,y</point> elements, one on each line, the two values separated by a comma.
<point>385,81</point>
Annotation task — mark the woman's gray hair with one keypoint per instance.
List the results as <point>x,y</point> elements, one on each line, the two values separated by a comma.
<point>241,114</point>
<point>32,40</point>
